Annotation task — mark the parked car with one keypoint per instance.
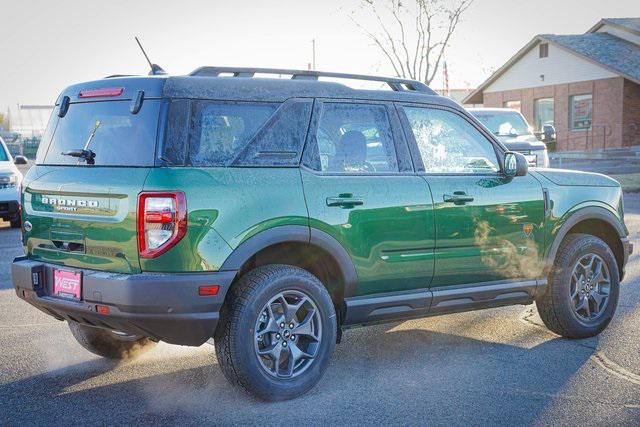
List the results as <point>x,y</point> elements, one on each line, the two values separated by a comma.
<point>10,179</point>
<point>269,214</point>
<point>514,132</point>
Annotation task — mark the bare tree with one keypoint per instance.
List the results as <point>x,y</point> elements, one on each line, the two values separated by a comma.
<point>413,38</point>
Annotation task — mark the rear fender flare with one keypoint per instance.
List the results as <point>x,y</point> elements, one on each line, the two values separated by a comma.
<point>301,234</point>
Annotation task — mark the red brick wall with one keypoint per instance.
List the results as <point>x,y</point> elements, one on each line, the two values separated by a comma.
<point>631,114</point>
<point>607,123</point>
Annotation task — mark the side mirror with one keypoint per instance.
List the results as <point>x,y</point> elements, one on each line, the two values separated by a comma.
<point>549,133</point>
<point>20,160</point>
<point>515,164</point>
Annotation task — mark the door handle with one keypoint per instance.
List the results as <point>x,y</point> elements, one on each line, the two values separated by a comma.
<point>345,201</point>
<point>458,198</point>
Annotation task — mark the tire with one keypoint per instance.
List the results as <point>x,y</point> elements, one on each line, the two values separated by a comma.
<point>252,303</point>
<point>16,223</point>
<point>558,308</point>
<point>108,344</point>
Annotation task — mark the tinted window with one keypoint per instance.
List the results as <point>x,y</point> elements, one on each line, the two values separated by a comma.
<point>174,146</point>
<point>280,141</point>
<point>354,138</point>
<point>118,137</point>
<point>3,154</point>
<point>221,130</point>
<point>449,144</point>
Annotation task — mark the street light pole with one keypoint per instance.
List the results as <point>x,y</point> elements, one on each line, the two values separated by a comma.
<point>313,46</point>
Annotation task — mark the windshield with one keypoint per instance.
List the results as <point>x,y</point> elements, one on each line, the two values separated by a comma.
<point>108,129</point>
<point>503,123</point>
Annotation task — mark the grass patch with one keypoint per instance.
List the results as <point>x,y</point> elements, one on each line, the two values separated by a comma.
<point>630,182</point>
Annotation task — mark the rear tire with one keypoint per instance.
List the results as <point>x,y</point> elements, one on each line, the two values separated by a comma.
<point>109,344</point>
<point>256,352</point>
<point>583,289</point>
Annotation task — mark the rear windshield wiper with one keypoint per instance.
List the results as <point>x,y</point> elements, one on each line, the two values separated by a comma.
<point>87,155</point>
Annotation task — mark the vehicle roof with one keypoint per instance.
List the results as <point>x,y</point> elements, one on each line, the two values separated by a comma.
<point>246,89</point>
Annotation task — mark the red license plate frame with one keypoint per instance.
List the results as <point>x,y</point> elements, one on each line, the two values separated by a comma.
<point>67,284</point>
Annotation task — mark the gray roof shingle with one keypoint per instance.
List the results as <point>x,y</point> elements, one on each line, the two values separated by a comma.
<point>617,54</point>
<point>630,23</point>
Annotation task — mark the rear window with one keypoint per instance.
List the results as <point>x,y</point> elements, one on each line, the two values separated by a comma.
<point>117,137</point>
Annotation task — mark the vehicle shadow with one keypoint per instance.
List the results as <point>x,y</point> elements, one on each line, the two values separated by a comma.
<point>377,375</point>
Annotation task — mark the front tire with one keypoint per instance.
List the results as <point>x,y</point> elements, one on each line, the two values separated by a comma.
<point>277,332</point>
<point>108,344</point>
<point>584,286</point>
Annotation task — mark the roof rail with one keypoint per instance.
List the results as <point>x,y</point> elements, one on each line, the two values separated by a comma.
<point>396,84</point>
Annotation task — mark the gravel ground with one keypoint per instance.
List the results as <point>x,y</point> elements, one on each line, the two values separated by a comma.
<point>496,366</point>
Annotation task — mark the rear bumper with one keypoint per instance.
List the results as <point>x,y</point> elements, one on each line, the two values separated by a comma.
<point>162,306</point>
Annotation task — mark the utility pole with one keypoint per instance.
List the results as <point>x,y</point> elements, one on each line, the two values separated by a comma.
<point>313,47</point>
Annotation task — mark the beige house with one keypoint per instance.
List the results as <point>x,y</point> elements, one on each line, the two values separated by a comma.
<point>586,85</point>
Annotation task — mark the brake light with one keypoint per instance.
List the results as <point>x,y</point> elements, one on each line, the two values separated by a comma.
<point>97,93</point>
<point>162,221</point>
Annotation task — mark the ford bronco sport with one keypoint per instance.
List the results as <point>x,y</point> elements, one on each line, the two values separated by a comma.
<point>269,214</point>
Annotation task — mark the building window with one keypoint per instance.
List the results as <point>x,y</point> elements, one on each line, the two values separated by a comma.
<point>544,50</point>
<point>543,111</point>
<point>512,104</point>
<point>580,111</point>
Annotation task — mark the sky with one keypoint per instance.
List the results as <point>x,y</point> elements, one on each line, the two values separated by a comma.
<point>47,45</point>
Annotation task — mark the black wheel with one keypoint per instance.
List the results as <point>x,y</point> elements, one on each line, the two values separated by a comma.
<point>110,344</point>
<point>583,289</point>
<point>277,332</point>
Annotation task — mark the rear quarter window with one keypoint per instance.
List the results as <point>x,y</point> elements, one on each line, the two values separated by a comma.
<point>236,134</point>
<point>220,131</point>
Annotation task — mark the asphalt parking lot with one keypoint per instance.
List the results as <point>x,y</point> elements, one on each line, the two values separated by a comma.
<point>488,367</point>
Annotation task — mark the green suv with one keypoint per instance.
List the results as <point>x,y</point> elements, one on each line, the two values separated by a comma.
<point>269,214</point>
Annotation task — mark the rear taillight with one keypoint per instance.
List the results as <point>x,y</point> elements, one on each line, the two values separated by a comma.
<point>162,221</point>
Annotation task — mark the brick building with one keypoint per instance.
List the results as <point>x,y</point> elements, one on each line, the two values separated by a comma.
<point>586,85</point>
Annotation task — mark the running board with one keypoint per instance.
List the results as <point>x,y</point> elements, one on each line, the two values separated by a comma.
<point>405,305</point>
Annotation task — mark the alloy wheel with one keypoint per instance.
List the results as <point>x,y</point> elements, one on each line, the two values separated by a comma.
<point>288,334</point>
<point>590,287</point>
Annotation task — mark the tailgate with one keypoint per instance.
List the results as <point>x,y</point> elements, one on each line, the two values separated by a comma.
<point>84,216</point>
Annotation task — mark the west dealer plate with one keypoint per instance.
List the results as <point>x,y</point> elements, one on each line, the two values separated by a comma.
<point>67,284</point>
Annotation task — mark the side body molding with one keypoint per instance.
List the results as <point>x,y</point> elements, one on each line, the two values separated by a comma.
<point>591,212</point>
<point>301,234</point>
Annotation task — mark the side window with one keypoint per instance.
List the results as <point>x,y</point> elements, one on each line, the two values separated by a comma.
<point>448,143</point>
<point>221,130</point>
<point>354,138</point>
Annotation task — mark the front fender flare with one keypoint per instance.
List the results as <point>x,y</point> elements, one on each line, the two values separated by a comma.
<point>582,214</point>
